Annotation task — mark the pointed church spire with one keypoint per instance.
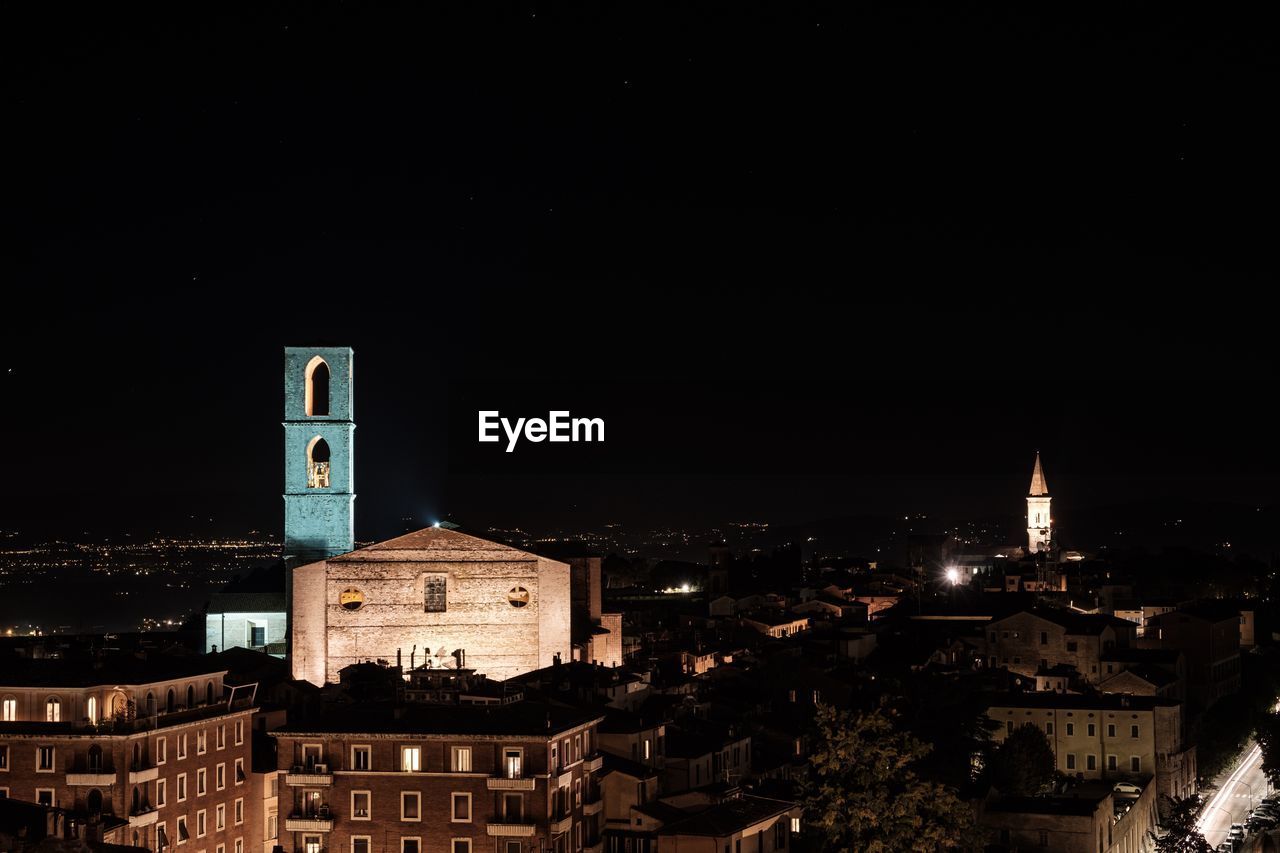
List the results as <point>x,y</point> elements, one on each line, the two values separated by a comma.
<point>1038,485</point>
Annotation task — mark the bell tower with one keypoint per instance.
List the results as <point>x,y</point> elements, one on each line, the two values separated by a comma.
<point>1039,522</point>
<point>319,477</point>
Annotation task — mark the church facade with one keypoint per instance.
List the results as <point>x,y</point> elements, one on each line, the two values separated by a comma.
<point>426,597</point>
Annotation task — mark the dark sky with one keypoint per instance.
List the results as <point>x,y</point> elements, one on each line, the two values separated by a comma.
<point>805,259</point>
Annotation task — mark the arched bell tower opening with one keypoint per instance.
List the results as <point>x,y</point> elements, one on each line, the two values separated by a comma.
<point>318,464</point>
<point>317,388</point>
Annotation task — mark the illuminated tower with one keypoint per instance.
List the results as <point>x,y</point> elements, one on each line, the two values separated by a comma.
<point>319,478</point>
<point>1039,522</point>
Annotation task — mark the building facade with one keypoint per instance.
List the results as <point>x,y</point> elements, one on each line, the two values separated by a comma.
<point>170,754</point>
<point>516,777</point>
<point>1108,737</point>
<point>429,595</point>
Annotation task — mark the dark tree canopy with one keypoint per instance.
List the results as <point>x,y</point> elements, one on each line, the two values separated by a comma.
<point>862,792</point>
<point>1023,765</point>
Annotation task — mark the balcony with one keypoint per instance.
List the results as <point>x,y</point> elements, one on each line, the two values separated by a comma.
<point>510,830</point>
<point>592,807</point>
<point>502,783</point>
<point>140,774</point>
<point>317,776</point>
<point>564,824</point>
<point>144,818</point>
<point>95,777</point>
<point>593,764</point>
<point>300,823</point>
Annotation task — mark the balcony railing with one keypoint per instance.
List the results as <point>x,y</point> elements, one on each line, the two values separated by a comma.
<point>592,807</point>
<point>502,783</point>
<point>312,777</point>
<point>96,776</point>
<point>140,773</point>
<point>144,816</point>
<point>502,829</point>
<point>303,823</point>
<point>563,825</point>
<point>593,763</point>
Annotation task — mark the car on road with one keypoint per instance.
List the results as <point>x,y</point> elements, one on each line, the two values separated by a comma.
<point>1236,833</point>
<point>1127,789</point>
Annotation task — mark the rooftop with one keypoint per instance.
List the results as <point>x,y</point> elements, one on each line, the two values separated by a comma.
<point>436,544</point>
<point>728,817</point>
<point>528,718</point>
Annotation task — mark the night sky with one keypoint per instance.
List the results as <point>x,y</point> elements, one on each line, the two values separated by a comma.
<point>805,260</point>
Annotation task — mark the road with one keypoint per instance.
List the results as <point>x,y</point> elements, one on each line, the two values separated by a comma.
<point>1239,789</point>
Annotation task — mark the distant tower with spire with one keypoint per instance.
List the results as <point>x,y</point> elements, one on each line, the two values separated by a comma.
<point>1039,522</point>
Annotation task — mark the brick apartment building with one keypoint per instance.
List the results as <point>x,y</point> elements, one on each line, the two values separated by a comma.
<point>462,774</point>
<point>162,744</point>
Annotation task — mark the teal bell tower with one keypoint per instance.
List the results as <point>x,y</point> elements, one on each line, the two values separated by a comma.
<point>319,474</point>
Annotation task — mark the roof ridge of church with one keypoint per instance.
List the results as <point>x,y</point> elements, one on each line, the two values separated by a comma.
<point>435,538</point>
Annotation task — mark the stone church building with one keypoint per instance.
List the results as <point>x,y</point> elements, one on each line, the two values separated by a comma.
<point>424,596</point>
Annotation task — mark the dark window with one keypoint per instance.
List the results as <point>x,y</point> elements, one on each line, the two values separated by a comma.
<point>1135,764</point>
<point>433,597</point>
<point>1133,731</point>
<point>1044,838</point>
<point>258,637</point>
<point>1044,638</point>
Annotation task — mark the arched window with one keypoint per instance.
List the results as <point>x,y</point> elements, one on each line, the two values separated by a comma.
<point>136,801</point>
<point>208,693</point>
<point>317,393</point>
<point>95,801</point>
<point>53,710</point>
<point>171,701</point>
<point>191,695</point>
<point>93,709</point>
<point>318,464</point>
<point>95,758</point>
<point>151,704</point>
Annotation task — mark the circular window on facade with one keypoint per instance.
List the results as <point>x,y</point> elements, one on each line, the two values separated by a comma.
<point>351,599</point>
<point>519,596</point>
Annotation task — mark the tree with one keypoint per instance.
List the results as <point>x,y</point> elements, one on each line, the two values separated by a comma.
<point>861,790</point>
<point>1023,765</point>
<point>1181,835</point>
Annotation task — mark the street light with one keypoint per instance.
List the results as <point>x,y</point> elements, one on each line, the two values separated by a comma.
<point>953,575</point>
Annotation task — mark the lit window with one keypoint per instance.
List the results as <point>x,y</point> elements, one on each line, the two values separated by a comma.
<point>44,759</point>
<point>359,758</point>
<point>10,709</point>
<point>462,759</point>
<point>53,710</point>
<point>359,805</point>
<point>411,758</point>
